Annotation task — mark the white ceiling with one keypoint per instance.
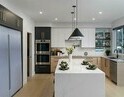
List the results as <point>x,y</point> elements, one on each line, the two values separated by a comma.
<point>87,9</point>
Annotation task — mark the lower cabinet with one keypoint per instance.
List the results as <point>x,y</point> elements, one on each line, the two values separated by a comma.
<point>92,60</point>
<point>42,69</point>
<point>105,66</point>
<point>99,62</point>
<point>54,62</point>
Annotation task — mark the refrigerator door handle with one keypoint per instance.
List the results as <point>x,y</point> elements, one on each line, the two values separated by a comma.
<point>9,62</point>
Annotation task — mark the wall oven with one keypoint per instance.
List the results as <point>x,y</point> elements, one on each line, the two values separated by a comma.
<point>42,52</point>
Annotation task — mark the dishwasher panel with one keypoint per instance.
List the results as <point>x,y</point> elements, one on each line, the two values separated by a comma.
<point>113,71</point>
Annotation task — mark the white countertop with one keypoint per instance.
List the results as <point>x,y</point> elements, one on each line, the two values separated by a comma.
<point>76,67</point>
<point>78,81</point>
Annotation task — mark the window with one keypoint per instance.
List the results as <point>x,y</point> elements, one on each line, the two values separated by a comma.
<point>119,39</point>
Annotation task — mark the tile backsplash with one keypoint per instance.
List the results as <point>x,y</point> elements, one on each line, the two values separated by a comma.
<point>78,51</point>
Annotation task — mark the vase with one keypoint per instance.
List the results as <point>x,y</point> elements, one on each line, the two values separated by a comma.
<point>70,57</point>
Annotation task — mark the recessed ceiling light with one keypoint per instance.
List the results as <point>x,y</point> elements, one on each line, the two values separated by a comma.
<point>56,19</point>
<point>74,19</point>
<point>93,19</point>
<point>118,30</point>
<point>41,12</point>
<point>100,12</point>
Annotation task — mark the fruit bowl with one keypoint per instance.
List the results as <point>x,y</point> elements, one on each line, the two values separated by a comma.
<point>63,65</point>
<point>91,67</point>
<point>85,63</point>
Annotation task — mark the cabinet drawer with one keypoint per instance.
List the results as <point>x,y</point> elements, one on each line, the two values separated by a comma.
<point>42,69</point>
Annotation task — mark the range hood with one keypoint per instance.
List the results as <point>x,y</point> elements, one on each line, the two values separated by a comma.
<point>76,35</point>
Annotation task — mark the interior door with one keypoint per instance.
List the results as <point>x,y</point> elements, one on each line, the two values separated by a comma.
<point>4,66</point>
<point>29,54</point>
<point>15,61</point>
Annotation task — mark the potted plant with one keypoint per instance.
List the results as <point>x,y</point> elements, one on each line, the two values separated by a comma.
<point>107,52</point>
<point>70,51</point>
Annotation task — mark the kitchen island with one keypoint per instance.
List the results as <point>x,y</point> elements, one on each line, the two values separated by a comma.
<point>77,81</point>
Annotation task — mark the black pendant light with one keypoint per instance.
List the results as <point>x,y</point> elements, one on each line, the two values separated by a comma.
<point>76,35</point>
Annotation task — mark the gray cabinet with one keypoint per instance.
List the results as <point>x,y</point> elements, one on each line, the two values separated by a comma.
<point>9,19</point>
<point>15,61</point>
<point>10,62</point>
<point>4,63</point>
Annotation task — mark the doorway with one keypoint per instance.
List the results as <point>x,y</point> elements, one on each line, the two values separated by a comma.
<point>29,54</point>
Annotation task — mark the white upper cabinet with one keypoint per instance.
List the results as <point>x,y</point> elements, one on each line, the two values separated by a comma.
<point>59,35</point>
<point>88,41</point>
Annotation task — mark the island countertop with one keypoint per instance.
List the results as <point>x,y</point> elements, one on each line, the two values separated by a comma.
<point>77,81</point>
<point>76,67</point>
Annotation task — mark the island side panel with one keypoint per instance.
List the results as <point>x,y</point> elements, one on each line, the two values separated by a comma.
<point>79,85</point>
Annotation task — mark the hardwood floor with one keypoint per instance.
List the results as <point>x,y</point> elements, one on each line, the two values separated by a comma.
<point>42,86</point>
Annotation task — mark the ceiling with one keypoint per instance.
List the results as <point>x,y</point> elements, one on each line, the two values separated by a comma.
<point>61,9</point>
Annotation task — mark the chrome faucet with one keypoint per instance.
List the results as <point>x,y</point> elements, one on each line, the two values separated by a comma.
<point>116,50</point>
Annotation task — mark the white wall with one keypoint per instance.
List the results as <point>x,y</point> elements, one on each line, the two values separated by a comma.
<point>28,26</point>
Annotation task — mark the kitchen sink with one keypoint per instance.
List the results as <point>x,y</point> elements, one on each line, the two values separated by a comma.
<point>111,57</point>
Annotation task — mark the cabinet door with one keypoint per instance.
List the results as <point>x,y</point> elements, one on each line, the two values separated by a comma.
<point>99,63</point>
<point>85,40</point>
<point>15,61</point>
<point>67,33</point>
<point>91,37</point>
<point>1,14</point>
<point>4,65</point>
<point>57,36</point>
<point>54,38</point>
<point>103,64</point>
<point>18,23</point>
<point>54,62</point>
<point>107,71</point>
<point>88,41</point>
<point>94,61</point>
<point>9,18</point>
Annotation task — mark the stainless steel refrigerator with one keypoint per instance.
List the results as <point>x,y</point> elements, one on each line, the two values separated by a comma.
<point>10,61</point>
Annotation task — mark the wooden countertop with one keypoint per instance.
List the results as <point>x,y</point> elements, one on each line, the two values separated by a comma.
<point>74,56</point>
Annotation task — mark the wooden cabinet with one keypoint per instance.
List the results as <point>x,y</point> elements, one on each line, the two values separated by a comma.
<point>92,60</point>
<point>54,62</point>
<point>9,19</point>
<point>99,62</point>
<point>107,70</point>
<point>105,66</point>
<point>88,41</point>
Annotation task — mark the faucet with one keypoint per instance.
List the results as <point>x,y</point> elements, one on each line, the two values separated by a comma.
<point>116,50</point>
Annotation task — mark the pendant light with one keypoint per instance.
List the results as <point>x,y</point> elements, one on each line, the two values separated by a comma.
<point>73,25</point>
<point>76,35</point>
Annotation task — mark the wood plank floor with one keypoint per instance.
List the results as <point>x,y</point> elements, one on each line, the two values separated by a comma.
<point>42,86</point>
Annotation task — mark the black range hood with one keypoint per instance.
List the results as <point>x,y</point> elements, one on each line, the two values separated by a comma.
<point>76,35</point>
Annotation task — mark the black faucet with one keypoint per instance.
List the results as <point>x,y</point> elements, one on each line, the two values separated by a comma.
<point>116,50</point>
